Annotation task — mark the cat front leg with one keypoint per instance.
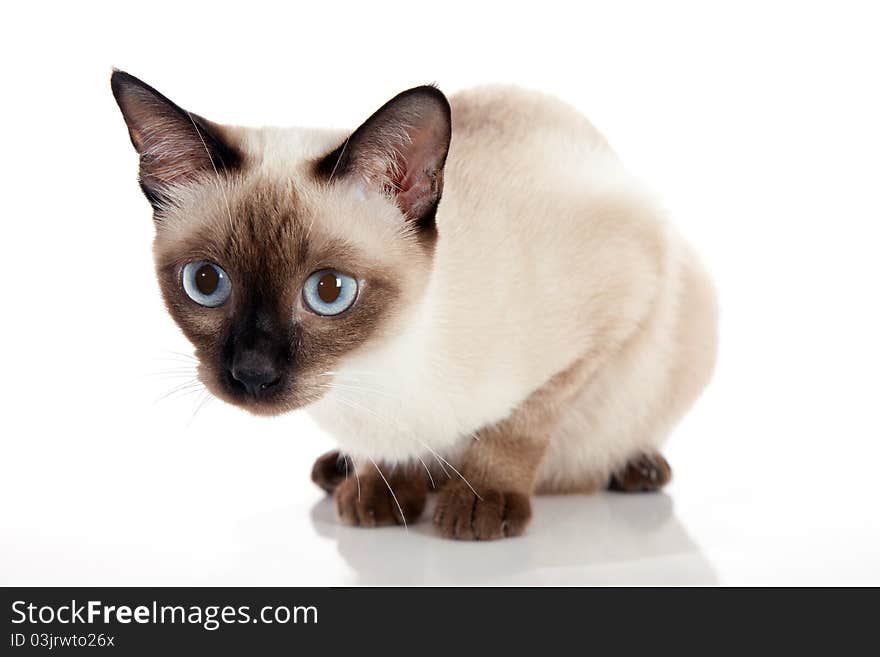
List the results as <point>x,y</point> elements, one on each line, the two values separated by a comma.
<point>380,495</point>
<point>491,497</point>
<point>331,469</point>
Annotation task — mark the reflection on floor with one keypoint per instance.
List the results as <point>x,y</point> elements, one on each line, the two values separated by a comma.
<point>598,539</point>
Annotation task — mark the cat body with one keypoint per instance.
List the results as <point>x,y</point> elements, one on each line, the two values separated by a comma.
<point>549,254</point>
<point>540,327</point>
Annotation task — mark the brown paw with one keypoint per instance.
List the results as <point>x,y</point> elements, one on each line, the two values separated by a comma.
<point>366,500</point>
<point>331,469</point>
<point>644,473</point>
<point>461,514</point>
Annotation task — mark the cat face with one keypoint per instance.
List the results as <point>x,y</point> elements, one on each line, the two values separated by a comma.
<point>278,253</point>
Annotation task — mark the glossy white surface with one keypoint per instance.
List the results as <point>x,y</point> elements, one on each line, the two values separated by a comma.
<point>140,500</point>
<point>758,127</point>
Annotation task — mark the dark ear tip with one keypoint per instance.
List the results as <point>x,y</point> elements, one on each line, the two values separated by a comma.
<point>119,80</point>
<point>430,88</point>
<point>118,77</point>
<point>427,94</point>
<point>431,91</point>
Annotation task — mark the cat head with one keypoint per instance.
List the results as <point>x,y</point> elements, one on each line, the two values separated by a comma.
<point>280,253</point>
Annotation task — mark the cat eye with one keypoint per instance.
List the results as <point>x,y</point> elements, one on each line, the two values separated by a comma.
<point>206,283</point>
<point>329,292</point>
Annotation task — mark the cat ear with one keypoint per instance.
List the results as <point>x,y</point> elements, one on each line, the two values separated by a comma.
<point>174,145</point>
<point>401,151</point>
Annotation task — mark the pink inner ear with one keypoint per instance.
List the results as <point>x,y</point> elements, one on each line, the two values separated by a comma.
<point>416,178</point>
<point>174,145</point>
<point>399,151</point>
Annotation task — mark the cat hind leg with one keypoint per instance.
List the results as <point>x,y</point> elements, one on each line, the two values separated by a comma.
<point>644,473</point>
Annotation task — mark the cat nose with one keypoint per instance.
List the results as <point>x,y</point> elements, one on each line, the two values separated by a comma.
<point>254,371</point>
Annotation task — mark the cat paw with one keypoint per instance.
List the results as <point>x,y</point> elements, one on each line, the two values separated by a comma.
<point>366,501</point>
<point>331,469</point>
<point>643,473</point>
<point>460,514</point>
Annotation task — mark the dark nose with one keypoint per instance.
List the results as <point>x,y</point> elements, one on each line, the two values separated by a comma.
<point>255,371</point>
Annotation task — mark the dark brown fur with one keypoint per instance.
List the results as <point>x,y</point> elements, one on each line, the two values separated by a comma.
<point>642,474</point>
<point>366,500</point>
<point>330,470</point>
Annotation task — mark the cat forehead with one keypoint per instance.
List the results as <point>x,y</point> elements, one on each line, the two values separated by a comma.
<point>258,219</point>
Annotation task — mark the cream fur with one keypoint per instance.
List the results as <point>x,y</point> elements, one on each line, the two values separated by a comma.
<point>548,252</point>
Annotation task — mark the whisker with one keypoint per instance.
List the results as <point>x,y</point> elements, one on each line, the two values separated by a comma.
<point>393,496</point>
<point>181,367</point>
<point>359,407</point>
<point>208,397</point>
<point>180,362</point>
<point>338,160</point>
<point>440,460</point>
<point>185,388</point>
<point>170,374</point>
<point>181,354</point>
<point>347,372</point>
<point>442,467</point>
<point>453,469</point>
<point>357,478</point>
<point>180,394</point>
<point>356,388</point>
<point>428,470</point>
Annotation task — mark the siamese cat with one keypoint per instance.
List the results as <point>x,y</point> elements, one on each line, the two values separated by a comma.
<point>470,294</point>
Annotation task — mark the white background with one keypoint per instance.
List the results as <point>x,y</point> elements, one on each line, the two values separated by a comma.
<point>757,124</point>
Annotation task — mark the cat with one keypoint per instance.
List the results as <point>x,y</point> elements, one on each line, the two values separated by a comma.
<point>470,294</point>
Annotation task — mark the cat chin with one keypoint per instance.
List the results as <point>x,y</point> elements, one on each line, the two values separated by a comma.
<point>258,408</point>
<point>262,409</point>
<point>279,404</point>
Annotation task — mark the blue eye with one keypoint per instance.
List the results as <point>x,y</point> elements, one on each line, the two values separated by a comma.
<point>206,283</point>
<point>328,292</point>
